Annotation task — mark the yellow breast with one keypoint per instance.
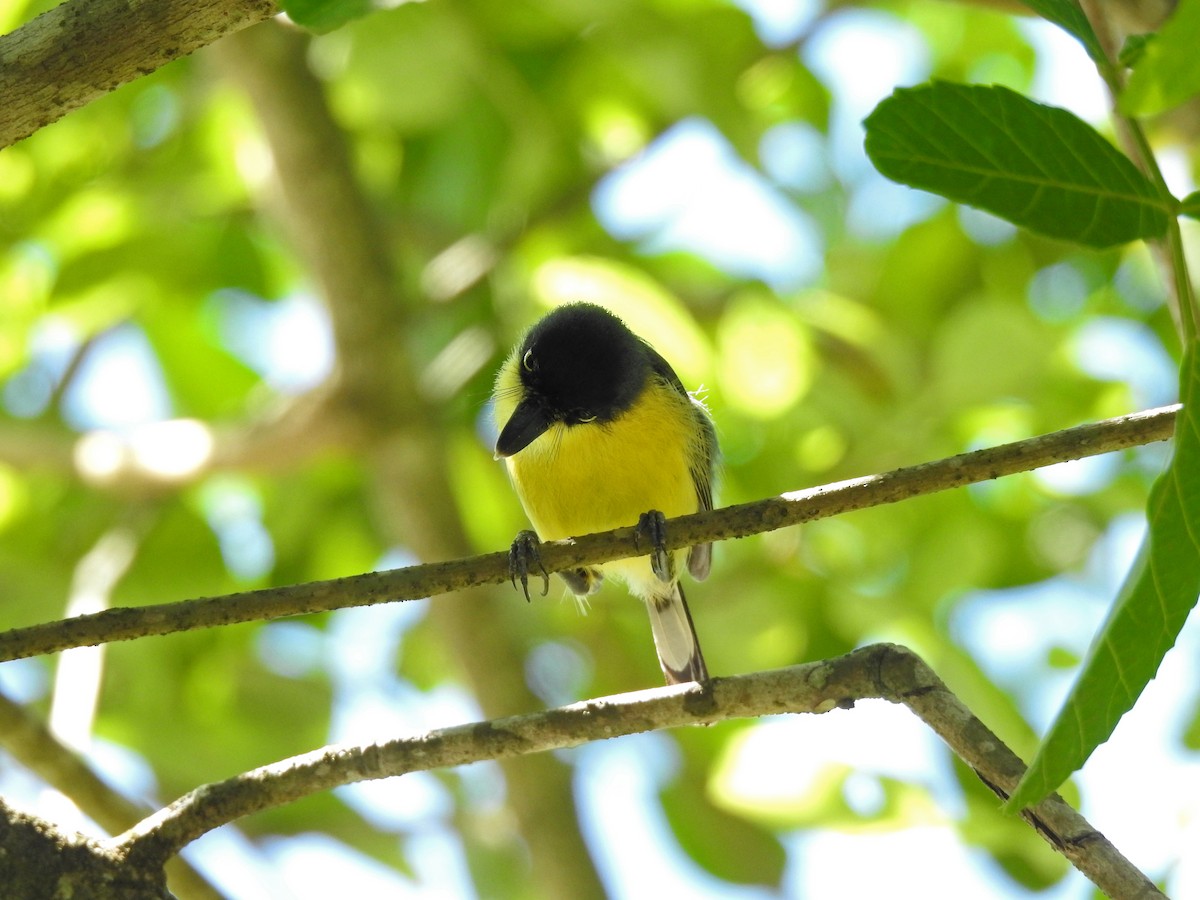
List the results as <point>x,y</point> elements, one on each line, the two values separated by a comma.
<point>578,479</point>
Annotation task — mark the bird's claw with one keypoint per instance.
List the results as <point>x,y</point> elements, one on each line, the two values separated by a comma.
<point>652,528</point>
<point>523,555</point>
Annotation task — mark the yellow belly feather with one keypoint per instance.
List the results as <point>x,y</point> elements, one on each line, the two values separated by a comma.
<point>579,479</point>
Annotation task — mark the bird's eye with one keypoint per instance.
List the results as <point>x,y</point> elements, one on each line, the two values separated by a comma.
<point>587,417</point>
<point>527,361</point>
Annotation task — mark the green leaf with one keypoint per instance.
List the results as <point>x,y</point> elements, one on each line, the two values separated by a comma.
<point>1134,49</point>
<point>1037,166</point>
<point>1191,205</point>
<point>1168,70</point>
<point>1153,604</point>
<point>1069,16</point>
<point>730,847</point>
<point>325,15</point>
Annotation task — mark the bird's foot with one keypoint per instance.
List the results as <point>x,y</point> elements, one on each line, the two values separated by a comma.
<point>523,555</point>
<point>652,529</point>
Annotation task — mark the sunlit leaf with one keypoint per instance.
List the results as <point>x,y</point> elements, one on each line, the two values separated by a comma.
<point>1133,49</point>
<point>1151,608</point>
<point>325,15</point>
<point>1168,67</point>
<point>1191,205</point>
<point>1069,16</point>
<point>767,357</point>
<point>203,378</point>
<point>730,847</point>
<point>1037,166</point>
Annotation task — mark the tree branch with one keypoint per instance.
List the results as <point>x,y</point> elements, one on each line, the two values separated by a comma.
<point>82,49</point>
<point>416,582</point>
<point>880,671</point>
<point>38,860</point>
<point>30,742</point>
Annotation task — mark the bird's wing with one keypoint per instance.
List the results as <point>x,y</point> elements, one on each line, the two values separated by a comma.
<point>704,469</point>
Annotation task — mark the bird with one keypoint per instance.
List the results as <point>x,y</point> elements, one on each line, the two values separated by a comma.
<point>598,432</point>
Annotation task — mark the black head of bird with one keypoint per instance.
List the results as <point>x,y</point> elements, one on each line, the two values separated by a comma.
<point>578,365</point>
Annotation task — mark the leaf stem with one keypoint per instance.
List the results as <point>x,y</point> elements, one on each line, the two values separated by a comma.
<point>1173,257</point>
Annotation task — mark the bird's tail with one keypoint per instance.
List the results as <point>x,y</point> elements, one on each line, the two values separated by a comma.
<point>675,637</point>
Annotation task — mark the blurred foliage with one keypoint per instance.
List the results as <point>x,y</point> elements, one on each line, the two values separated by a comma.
<point>484,135</point>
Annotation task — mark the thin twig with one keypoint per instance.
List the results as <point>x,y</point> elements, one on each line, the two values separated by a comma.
<point>882,671</point>
<point>416,582</point>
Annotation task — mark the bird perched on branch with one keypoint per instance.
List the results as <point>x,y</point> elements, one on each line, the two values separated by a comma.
<point>598,432</point>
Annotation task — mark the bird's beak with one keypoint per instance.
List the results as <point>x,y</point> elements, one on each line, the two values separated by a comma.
<point>528,421</point>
